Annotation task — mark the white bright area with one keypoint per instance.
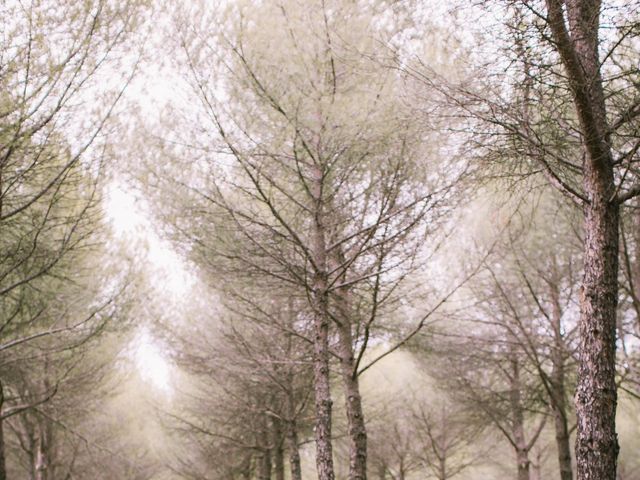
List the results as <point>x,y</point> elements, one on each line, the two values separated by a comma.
<point>132,225</point>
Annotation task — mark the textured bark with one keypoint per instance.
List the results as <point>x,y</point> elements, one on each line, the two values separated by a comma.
<point>357,433</point>
<point>576,40</point>
<point>320,304</point>
<point>596,397</point>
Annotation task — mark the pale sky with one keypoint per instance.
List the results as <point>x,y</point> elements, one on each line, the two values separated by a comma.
<point>131,224</point>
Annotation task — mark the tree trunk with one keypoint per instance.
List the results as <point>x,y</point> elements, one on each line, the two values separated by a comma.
<point>517,425</point>
<point>442,469</point>
<point>294,453</point>
<point>355,418</point>
<point>524,464</point>
<point>320,299</point>
<point>558,391</point>
<point>278,451</point>
<point>3,468</point>
<point>264,465</point>
<point>292,440</point>
<point>596,397</point>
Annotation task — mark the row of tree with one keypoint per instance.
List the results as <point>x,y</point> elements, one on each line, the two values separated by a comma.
<point>58,339</point>
<point>329,147</point>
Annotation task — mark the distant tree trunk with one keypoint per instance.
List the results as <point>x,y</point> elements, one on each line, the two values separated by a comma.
<point>3,468</point>
<point>382,472</point>
<point>246,468</point>
<point>576,40</point>
<point>401,470</point>
<point>442,468</point>
<point>558,392</point>
<point>517,425</point>
<point>264,465</point>
<point>320,299</point>
<point>278,451</point>
<point>292,441</point>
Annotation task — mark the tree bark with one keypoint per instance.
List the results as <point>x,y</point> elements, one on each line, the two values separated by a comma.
<point>596,396</point>
<point>576,40</point>
<point>3,468</point>
<point>320,304</point>
<point>356,427</point>
<point>353,403</point>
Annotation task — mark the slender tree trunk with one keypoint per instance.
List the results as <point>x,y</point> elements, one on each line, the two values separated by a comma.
<point>278,450</point>
<point>294,452</point>
<point>524,464</point>
<point>3,468</point>
<point>563,441</point>
<point>517,425</point>
<point>356,428</point>
<point>246,468</point>
<point>442,469</point>
<point>320,304</point>
<point>264,465</point>
<point>558,391</point>
<point>576,40</point>
<point>292,439</point>
<point>353,402</point>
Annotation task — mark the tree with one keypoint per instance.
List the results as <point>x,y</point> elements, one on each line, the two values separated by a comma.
<point>250,389</point>
<point>50,159</point>
<point>320,189</point>
<point>569,110</point>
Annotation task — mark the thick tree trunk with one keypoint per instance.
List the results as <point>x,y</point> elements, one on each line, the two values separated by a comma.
<point>596,396</point>
<point>320,304</point>
<point>576,40</point>
<point>353,402</point>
